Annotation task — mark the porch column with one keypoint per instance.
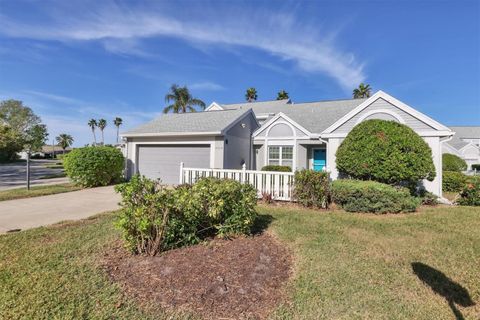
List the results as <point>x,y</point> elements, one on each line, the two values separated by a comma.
<point>435,186</point>
<point>332,146</point>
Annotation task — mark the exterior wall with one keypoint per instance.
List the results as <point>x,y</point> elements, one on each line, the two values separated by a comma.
<point>471,155</point>
<point>435,186</point>
<point>382,105</point>
<point>258,156</point>
<point>216,149</point>
<point>280,129</point>
<point>332,146</point>
<point>237,147</point>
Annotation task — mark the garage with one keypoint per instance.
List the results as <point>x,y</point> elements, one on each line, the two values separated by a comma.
<point>163,161</point>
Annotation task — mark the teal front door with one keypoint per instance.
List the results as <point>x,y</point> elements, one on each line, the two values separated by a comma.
<point>319,159</point>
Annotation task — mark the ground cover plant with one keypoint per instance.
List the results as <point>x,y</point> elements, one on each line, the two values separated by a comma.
<point>37,191</point>
<point>346,266</point>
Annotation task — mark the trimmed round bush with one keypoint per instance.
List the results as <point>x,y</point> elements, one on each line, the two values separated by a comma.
<point>470,194</point>
<point>371,196</point>
<point>277,168</point>
<point>94,166</point>
<point>385,151</point>
<point>451,162</point>
<point>453,181</point>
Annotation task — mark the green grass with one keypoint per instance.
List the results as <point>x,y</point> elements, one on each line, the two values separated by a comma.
<point>347,266</point>
<point>37,191</point>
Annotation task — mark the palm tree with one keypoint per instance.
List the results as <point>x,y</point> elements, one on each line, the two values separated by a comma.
<point>64,141</point>
<point>117,122</point>
<point>182,100</point>
<point>92,123</point>
<point>251,94</point>
<point>102,123</point>
<point>363,91</point>
<point>282,95</point>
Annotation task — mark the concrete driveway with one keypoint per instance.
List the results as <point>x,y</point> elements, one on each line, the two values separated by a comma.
<point>13,175</point>
<point>40,211</point>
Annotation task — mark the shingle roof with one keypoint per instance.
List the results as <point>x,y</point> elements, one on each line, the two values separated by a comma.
<point>205,122</point>
<point>463,132</point>
<point>313,116</point>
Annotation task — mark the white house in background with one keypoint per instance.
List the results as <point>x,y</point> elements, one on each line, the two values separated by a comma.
<point>465,144</point>
<point>300,135</point>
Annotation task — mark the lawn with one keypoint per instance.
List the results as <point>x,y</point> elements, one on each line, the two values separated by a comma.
<point>346,266</point>
<point>20,193</point>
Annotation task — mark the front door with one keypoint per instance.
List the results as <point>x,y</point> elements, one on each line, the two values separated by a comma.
<point>319,159</point>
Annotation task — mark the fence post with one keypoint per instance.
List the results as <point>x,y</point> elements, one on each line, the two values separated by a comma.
<point>244,173</point>
<point>181,173</point>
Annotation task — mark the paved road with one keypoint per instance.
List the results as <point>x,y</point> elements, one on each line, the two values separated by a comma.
<point>13,175</point>
<point>40,211</point>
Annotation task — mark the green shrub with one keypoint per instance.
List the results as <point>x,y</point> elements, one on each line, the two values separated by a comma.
<point>155,219</point>
<point>453,181</point>
<point>470,194</point>
<point>451,162</point>
<point>312,188</point>
<point>385,151</point>
<point>277,168</point>
<point>94,166</point>
<point>371,196</point>
<point>476,166</point>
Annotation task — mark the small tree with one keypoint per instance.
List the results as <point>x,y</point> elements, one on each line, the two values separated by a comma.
<point>92,123</point>
<point>363,91</point>
<point>385,151</point>
<point>64,141</point>
<point>117,122</point>
<point>182,100</point>
<point>102,124</point>
<point>282,95</point>
<point>251,95</point>
<point>451,162</point>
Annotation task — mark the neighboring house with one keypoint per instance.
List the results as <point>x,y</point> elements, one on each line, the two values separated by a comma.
<point>465,144</point>
<point>303,135</point>
<point>47,152</point>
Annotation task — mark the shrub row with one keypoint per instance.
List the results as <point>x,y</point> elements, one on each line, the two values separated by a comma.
<point>371,196</point>
<point>94,166</point>
<point>155,219</point>
<point>312,188</point>
<point>277,168</point>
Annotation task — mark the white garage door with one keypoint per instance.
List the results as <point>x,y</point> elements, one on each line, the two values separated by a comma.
<point>163,161</point>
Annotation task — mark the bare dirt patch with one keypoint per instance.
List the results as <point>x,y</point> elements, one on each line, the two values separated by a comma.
<point>223,279</point>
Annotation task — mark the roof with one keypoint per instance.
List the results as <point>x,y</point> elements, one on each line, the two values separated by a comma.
<point>49,148</point>
<point>212,122</point>
<point>313,116</point>
<point>463,132</point>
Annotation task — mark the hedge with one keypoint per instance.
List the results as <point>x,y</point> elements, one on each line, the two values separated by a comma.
<point>385,151</point>
<point>277,168</point>
<point>94,166</point>
<point>312,188</point>
<point>154,218</point>
<point>451,162</point>
<point>453,181</point>
<point>371,196</point>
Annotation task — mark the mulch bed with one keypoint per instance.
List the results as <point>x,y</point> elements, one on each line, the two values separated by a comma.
<point>223,279</point>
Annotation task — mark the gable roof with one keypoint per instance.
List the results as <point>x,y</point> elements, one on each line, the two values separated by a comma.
<point>192,123</point>
<point>463,132</point>
<point>258,106</point>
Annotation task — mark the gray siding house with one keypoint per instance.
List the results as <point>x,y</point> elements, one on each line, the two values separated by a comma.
<point>465,144</point>
<point>300,135</point>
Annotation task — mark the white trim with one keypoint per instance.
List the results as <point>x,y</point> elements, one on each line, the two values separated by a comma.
<point>170,134</point>
<point>372,112</point>
<point>266,124</point>
<point>385,96</point>
<point>313,157</point>
<point>294,133</point>
<point>280,158</point>
<point>470,144</point>
<point>214,106</point>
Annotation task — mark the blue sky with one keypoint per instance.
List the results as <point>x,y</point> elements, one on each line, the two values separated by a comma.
<point>75,60</point>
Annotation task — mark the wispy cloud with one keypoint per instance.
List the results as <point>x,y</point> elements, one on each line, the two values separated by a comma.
<point>206,86</point>
<point>122,29</point>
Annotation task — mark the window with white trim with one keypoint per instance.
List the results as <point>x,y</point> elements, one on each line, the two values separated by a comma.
<point>280,155</point>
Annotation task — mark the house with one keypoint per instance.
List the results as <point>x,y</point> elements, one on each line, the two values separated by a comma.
<point>47,152</point>
<point>465,144</point>
<point>300,135</point>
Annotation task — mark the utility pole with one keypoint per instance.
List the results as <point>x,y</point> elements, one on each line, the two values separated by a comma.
<point>53,149</point>
<point>28,169</point>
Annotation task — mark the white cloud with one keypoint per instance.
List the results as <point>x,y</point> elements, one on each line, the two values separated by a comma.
<point>206,86</point>
<point>121,30</point>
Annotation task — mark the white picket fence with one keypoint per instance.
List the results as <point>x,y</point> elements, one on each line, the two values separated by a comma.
<point>278,184</point>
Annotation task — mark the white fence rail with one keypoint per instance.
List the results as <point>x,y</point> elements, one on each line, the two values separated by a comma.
<point>278,184</point>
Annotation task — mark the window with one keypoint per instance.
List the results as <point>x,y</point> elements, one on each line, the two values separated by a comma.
<point>280,155</point>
